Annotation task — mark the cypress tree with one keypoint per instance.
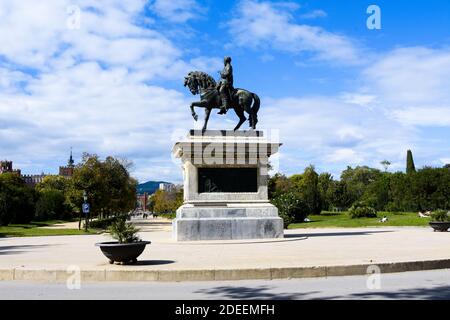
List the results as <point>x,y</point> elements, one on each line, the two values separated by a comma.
<point>410,167</point>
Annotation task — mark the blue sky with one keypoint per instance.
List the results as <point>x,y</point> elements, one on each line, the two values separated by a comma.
<point>107,78</point>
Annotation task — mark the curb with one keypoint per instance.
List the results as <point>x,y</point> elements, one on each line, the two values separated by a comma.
<point>95,275</point>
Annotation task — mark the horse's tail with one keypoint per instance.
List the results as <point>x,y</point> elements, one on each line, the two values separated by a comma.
<point>256,103</point>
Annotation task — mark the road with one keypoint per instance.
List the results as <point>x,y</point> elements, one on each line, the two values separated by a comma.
<point>409,285</point>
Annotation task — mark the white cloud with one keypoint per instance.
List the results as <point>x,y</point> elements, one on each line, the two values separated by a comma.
<point>423,116</point>
<point>411,76</point>
<point>178,11</point>
<point>363,100</point>
<point>410,85</point>
<point>332,133</point>
<point>92,88</point>
<point>345,155</point>
<point>314,14</point>
<point>100,89</point>
<point>259,24</point>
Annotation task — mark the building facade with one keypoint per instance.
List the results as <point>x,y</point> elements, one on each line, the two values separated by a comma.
<point>168,187</point>
<point>67,171</point>
<point>7,167</point>
<point>32,180</point>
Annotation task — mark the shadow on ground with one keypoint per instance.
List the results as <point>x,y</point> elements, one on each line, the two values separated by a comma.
<point>266,293</point>
<point>153,262</point>
<point>232,242</point>
<point>435,293</point>
<point>261,292</point>
<point>334,234</point>
<point>4,250</point>
<point>151,223</point>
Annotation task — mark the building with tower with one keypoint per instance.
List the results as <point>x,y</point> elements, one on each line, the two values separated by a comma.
<point>67,171</point>
<point>7,167</point>
<point>32,180</point>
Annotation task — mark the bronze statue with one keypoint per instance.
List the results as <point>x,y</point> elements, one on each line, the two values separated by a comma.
<point>225,85</point>
<point>212,96</point>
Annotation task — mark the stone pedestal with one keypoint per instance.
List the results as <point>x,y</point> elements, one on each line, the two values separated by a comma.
<point>225,187</point>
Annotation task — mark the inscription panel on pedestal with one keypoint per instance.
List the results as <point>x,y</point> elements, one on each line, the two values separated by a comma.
<point>212,180</point>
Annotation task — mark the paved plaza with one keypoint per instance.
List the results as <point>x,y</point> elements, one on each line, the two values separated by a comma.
<point>302,253</point>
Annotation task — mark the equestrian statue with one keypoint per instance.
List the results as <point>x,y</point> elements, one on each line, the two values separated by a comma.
<point>222,95</point>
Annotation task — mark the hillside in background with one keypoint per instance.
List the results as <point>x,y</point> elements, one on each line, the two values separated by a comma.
<point>149,186</point>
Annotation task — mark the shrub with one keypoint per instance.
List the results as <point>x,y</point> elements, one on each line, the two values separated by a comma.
<point>440,216</point>
<point>172,215</point>
<point>106,222</point>
<point>362,210</point>
<point>290,208</point>
<point>124,232</point>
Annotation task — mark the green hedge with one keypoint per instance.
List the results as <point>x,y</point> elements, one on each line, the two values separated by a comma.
<point>106,222</point>
<point>361,210</point>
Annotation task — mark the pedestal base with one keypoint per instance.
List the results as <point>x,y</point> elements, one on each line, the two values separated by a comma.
<point>227,223</point>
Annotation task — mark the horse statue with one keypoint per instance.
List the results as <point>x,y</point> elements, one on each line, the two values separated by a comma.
<point>242,100</point>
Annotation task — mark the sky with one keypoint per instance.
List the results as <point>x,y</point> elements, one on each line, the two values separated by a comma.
<point>106,77</point>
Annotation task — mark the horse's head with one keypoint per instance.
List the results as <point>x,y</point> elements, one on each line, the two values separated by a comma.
<point>198,80</point>
<point>191,82</point>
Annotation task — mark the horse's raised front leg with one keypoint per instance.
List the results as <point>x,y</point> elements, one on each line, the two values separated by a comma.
<point>194,115</point>
<point>194,104</point>
<point>207,114</point>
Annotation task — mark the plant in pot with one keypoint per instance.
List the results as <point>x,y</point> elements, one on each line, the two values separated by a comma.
<point>128,246</point>
<point>440,220</point>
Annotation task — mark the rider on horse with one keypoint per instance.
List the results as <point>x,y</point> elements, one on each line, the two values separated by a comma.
<point>225,85</point>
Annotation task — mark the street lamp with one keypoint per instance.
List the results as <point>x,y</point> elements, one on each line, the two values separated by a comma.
<point>85,209</point>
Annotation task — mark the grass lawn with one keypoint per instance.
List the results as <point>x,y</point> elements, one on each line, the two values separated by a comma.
<point>32,230</point>
<point>342,220</point>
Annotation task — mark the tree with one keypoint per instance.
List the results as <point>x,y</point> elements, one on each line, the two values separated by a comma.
<point>51,205</point>
<point>109,187</point>
<point>339,196</point>
<point>16,200</point>
<point>53,183</point>
<point>53,198</point>
<point>357,180</point>
<point>306,187</point>
<point>376,194</point>
<point>167,201</point>
<point>161,201</point>
<point>311,194</point>
<point>410,167</point>
<point>277,185</point>
<point>326,185</point>
<point>431,188</point>
<point>400,193</point>
<point>385,164</point>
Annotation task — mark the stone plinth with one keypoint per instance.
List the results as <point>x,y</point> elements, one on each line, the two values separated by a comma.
<point>225,177</point>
